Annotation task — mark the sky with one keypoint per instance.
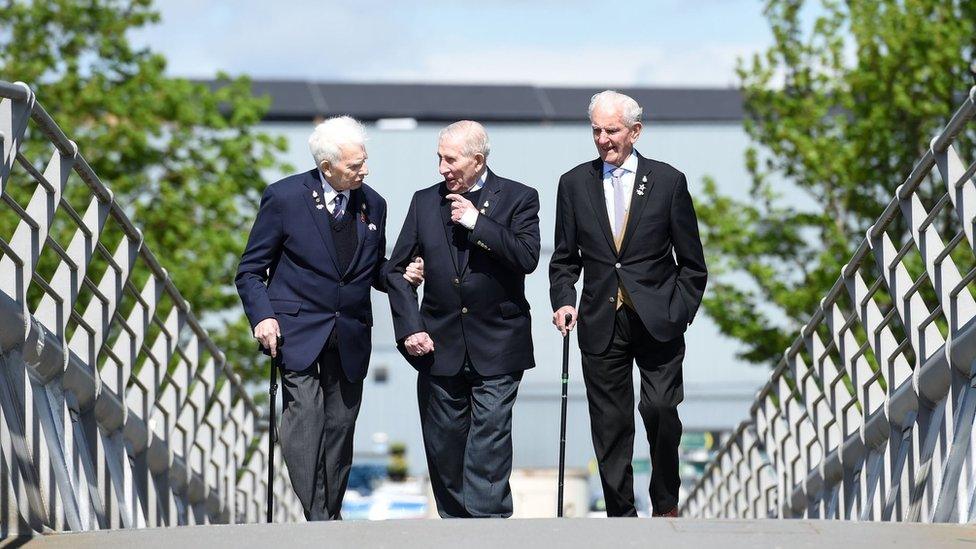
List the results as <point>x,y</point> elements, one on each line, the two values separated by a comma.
<point>667,43</point>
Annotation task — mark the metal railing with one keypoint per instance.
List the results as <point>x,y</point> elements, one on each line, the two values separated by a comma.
<point>869,415</point>
<point>116,408</point>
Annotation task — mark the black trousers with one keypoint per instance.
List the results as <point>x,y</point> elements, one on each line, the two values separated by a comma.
<point>466,421</point>
<point>610,394</point>
<point>320,406</point>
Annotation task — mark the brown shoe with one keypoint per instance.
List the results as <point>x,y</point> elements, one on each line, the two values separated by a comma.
<point>673,513</point>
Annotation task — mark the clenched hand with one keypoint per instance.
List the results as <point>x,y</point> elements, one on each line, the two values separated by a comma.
<point>418,344</point>
<point>268,333</point>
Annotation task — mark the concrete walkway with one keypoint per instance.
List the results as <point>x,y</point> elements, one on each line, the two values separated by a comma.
<point>532,534</point>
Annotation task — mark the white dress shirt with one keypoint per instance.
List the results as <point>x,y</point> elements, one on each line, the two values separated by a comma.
<point>329,194</point>
<point>627,180</point>
<point>470,217</point>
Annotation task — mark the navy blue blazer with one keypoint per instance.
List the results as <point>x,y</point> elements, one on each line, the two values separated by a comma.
<point>289,271</point>
<point>478,308</point>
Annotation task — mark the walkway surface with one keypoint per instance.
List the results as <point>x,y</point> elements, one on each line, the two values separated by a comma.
<point>529,533</point>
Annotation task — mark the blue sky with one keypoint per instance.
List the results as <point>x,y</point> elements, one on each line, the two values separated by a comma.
<point>568,42</point>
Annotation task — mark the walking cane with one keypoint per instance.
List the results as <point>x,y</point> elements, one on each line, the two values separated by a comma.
<point>562,419</point>
<point>272,428</point>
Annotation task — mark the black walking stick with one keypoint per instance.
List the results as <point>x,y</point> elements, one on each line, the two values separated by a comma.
<point>562,419</point>
<point>272,427</point>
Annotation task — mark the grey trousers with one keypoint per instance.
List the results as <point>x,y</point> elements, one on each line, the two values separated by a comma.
<point>320,406</point>
<point>466,421</point>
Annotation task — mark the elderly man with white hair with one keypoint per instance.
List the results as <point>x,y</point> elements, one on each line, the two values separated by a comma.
<point>628,224</point>
<point>317,246</point>
<point>471,339</point>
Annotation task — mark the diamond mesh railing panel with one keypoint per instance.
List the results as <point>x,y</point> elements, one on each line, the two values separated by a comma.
<point>869,415</point>
<point>116,408</point>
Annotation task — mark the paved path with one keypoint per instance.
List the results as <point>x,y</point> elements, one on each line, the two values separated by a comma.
<point>532,534</point>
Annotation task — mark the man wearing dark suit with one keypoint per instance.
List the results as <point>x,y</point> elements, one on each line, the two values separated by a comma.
<point>628,223</point>
<point>316,248</point>
<point>471,338</point>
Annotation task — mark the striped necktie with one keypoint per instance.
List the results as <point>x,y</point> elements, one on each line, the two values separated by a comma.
<point>338,210</point>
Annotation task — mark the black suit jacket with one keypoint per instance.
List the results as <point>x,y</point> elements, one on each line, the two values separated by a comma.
<point>290,271</point>
<point>660,263</point>
<point>478,308</point>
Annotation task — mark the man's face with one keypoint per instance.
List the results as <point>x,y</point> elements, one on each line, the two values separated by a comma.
<point>350,171</point>
<point>459,171</point>
<point>613,138</point>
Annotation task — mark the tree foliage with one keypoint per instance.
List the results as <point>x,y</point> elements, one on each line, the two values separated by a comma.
<point>838,109</point>
<point>185,161</point>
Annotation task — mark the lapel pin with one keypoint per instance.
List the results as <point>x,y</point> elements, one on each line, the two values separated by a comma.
<point>644,180</point>
<point>315,194</point>
<point>371,227</point>
<point>319,206</point>
<point>640,190</point>
<point>362,206</point>
<point>486,203</point>
<point>483,211</point>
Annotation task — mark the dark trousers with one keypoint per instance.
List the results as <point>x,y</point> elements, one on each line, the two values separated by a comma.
<point>610,394</point>
<point>466,421</point>
<point>320,406</point>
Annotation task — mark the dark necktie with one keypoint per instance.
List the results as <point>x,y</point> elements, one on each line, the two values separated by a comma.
<point>337,209</point>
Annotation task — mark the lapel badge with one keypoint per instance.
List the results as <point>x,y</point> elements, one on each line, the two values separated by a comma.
<point>362,206</point>
<point>371,227</point>
<point>486,203</point>
<point>640,190</point>
<point>483,211</point>
<point>644,179</point>
<point>319,206</point>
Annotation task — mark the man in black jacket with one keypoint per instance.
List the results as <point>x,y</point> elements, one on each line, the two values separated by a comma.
<point>471,339</point>
<point>628,224</point>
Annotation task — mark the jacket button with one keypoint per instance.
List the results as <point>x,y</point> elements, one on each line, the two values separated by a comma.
<point>612,299</point>
<point>457,280</point>
<point>464,310</point>
<point>342,283</point>
<point>617,265</point>
<point>339,314</point>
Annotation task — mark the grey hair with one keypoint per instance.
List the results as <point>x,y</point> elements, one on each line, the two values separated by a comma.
<point>474,138</point>
<point>329,136</point>
<point>629,109</point>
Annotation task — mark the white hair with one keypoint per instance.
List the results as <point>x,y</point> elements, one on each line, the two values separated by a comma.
<point>329,136</point>
<point>474,138</point>
<point>629,109</point>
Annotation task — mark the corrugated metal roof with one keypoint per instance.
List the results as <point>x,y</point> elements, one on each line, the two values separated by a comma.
<point>305,100</point>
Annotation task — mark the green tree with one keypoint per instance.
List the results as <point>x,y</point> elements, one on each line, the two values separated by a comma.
<point>185,161</point>
<point>838,109</point>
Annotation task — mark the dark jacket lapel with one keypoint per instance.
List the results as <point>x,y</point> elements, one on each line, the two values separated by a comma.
<point>448,225</point>
<point>594,190</point>
<point>313,199</point>
<point>643,181</point>
<point>489,196</point>
<point>359,208</point>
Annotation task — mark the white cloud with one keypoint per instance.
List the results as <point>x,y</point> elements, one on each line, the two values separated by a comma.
<point>375,42</point>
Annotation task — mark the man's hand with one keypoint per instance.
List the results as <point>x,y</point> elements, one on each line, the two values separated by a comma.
<point>459,205</point>
<point>415,272</point>
<point>559,319</point>
<point>418,344</point>
<point>268,333</point>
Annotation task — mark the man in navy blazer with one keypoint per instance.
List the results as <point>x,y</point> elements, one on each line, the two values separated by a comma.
<point>471,339</point>
<point>317,246</point>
